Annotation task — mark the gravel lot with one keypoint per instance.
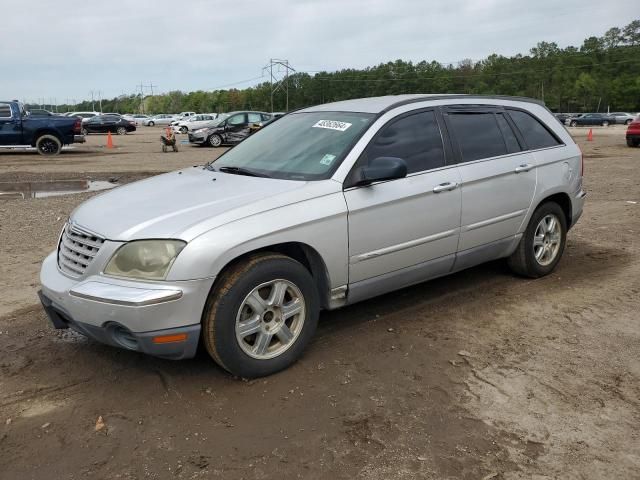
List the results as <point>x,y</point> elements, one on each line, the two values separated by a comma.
<point>479,375</point>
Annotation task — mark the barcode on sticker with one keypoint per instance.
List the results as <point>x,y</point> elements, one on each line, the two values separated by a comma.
<point>332,125</point>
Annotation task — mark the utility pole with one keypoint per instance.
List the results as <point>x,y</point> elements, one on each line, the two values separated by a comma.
<point>151,86</point>
<point>100,97</point>
<point>141,86</point>
<point>93,101</point>
<point>277,80</point>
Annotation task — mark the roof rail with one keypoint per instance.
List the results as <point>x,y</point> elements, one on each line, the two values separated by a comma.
<point>446,96</point>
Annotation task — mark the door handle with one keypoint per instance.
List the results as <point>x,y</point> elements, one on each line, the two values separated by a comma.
<point>445,187</point>
<point>525,167</point>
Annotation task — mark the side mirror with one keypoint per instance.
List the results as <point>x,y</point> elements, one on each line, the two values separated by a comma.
<point>379,169</point>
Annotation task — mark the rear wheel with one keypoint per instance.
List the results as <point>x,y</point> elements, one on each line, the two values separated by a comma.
<point>542,244</point>
<point>573,123</point>
<point>151,123</point>
<point>121,131</point>
<point>85,132</point>
<point>184,129</point>
<point>48,145</point>
<point>260,315</point>
<point>632,143</point>
<point>605,124</point>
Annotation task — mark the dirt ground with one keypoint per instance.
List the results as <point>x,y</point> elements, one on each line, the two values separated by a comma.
<point>481,375</point>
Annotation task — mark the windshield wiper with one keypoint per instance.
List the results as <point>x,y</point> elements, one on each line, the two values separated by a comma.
<point>242,171</point>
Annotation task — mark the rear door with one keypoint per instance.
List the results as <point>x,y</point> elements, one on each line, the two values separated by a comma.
<point>408,222</point>
<point>10,126</point>
<point>498,179</point>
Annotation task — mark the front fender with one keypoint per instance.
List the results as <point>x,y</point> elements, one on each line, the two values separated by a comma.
<point>320,223</point>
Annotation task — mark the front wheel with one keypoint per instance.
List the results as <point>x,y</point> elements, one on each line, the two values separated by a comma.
<point>260,315</point>
<point>184,129</point>
<point>85,132</point>
<point>542,244</point>
<point>48,145</point>
<point>215,140</point>
<point>151,124</point>
<point>605,124</point>
<point>632,143</point>
<point>627,122</point>
<point>573,124</point>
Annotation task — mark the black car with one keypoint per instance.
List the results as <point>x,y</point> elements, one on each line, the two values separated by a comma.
<point>562,117</point>
<point>230,130</point>
<point>108,123</point>
<point>591,119</point>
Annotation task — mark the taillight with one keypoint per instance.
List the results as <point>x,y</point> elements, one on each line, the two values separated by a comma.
<point>581,162</point>
<point>77,127</point>
<point>131,123</point>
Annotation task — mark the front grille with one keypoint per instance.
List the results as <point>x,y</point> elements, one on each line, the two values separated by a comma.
<point>77,249</point>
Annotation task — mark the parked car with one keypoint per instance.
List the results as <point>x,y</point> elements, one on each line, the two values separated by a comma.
<point>84,115</point>
<point>108,123</point>
<point>230,130</point>
<point>591,119</point>
<point>48,134</point>
<point>327,206</point>
<point>562,117</point>
<point>161,119</point>
<point>182,116</point>
<point>194,122</point>
<point>633,133</point>
<point>622,118</point>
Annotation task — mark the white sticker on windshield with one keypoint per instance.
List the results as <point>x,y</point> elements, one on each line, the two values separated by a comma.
<point>327,159</point>
<point>332,125</point>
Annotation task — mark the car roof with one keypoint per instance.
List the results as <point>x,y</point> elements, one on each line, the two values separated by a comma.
<point>382,104</point>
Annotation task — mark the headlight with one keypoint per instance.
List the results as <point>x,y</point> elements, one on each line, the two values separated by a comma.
<point>144,259</point>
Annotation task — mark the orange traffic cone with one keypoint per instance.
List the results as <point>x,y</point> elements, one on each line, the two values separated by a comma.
<point>109,140</point>
<point>590,135</point>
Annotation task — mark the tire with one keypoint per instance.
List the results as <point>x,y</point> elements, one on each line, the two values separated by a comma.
<point>215,140</point>
<point>121,131</point>
<point>48,145</point>
<point>85,132</point>
<point>573,124</point>
<point>605,124</point>
<point>164,148</point>
<point>628,122</point>
<point>184,129</point>
<point>265,347</point>
<point>632,143</point>
<point>151,124</point>
<point>524,261</point>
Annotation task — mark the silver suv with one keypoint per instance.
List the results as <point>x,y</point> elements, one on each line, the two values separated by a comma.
<point>322,208</point>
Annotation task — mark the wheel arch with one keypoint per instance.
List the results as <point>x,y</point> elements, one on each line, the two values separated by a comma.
<point>303,253</point>
<point>46,131</point>
<point>563,200</point>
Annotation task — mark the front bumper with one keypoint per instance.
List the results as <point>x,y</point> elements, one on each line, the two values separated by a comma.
<point>197,137</point>
<point>158,318</point>
<point>79,139</point>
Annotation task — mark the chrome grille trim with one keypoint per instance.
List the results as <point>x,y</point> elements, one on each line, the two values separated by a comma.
<point>76,249</point>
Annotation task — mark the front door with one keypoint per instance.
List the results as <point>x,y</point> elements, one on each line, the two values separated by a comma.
<point>405,230</point>
<point>237,128</point>
<point>10,126</point>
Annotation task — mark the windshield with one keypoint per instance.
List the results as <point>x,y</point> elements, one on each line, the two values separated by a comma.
<point>298,146</point>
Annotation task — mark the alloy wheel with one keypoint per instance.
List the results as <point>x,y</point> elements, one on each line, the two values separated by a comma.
<point>547,239</point>
<point>270,319</point>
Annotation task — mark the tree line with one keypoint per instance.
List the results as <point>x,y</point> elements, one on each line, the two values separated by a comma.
<point>603,73</point>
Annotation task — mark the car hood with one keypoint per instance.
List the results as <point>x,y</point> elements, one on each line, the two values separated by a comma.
<point>185,203</point>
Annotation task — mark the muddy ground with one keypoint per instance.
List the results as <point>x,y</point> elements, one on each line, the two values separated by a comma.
<point>480,375</point>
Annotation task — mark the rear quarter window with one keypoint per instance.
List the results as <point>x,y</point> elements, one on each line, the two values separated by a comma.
<point>478,135</point>
<point>535,134</point>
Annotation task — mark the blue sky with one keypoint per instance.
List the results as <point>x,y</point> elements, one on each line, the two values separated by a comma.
<point>64,49</point>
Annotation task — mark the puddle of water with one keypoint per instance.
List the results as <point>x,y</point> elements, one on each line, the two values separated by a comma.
<point>10,191</point>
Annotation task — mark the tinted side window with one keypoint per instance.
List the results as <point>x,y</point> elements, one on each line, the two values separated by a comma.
<point>535,134</point>
<point>507,133</point>
<point>415,138</point>
<point>254,117</point>
<point>478,135</point>
<point>5,110</point>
